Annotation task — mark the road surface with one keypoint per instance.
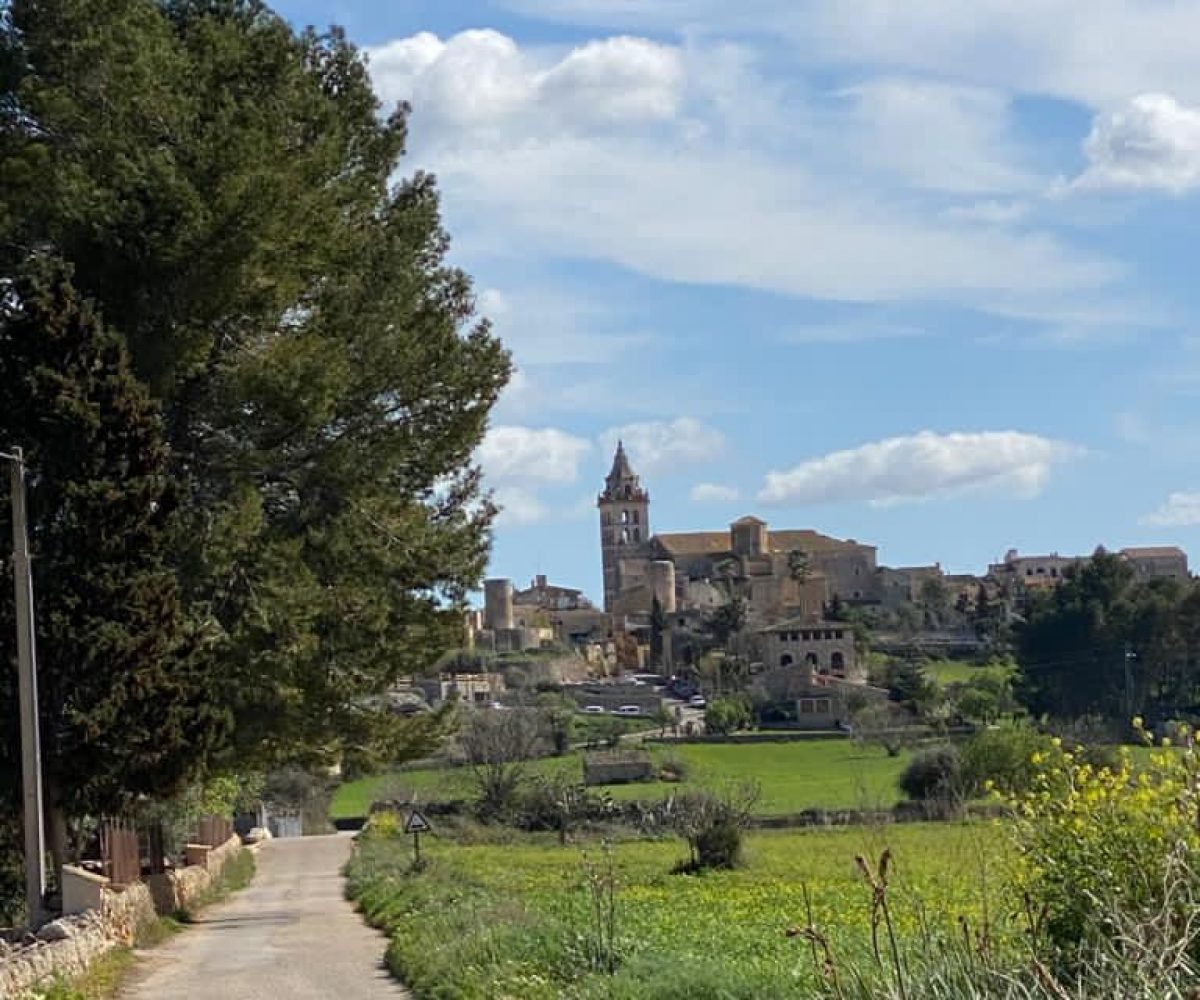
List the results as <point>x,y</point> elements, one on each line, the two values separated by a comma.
<point>289,936</point>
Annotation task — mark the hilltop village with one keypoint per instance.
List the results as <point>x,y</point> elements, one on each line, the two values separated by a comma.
<point>790,595</point>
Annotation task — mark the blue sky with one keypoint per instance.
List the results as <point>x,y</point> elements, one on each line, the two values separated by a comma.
<point>920,273</point>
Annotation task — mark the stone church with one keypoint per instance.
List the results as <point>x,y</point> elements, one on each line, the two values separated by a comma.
<point>781,575</point>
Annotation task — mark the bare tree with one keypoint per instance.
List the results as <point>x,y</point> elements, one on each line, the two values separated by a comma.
<point>498,745</point>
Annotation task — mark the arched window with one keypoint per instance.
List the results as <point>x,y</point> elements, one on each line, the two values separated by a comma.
<point>624,534</point>
<point>637,534</point>
<point>786,660</point>
<point>837,663</point>
<point>624,517</point>
<point>811,659</point>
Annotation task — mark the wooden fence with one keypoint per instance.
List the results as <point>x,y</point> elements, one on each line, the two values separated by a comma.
<point>214,830</point>
<point>120,851</point>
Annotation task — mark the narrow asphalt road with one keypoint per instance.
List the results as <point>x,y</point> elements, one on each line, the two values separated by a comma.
<point>290,934</point>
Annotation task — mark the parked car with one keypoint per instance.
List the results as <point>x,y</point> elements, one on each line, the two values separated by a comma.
<point>697,701</point>
<point>628,710</point>
<point>593,709</point>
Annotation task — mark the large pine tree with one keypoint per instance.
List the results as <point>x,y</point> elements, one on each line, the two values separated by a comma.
<point>226,191</point>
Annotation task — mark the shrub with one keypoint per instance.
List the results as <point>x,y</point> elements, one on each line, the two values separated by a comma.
<point>727,715</point>
<point>1002,757</point>
<point>711,824</point>
<point>1100,845</point>
<point>932,774</point>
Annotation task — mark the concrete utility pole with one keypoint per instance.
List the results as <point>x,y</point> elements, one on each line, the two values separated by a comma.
<point>31,745</point>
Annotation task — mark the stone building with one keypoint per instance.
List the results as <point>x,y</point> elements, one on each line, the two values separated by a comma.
<point>1157,562</point>
<point>820,648</point>
<point>779,574</point>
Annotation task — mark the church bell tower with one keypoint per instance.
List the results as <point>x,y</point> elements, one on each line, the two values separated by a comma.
<point>624,521</point>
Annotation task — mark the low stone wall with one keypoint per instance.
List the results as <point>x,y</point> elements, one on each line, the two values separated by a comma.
<point>177,890</point>
<point>110,917</point>
<point>66,947</point>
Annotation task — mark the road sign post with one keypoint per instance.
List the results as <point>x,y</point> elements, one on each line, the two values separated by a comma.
<point>416,824</point>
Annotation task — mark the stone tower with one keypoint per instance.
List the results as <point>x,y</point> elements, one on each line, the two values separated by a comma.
<point>624,521</point>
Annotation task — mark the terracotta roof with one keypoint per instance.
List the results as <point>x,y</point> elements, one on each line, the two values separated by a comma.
<point>809,541</point>
<point>694,543</point>
<point>794,624</point>
<point>714,542</point>
<point>1154,551</point>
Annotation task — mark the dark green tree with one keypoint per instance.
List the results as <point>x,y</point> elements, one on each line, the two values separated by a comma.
<point>726,621</point>
<point>123,682</point>
<point>225,191</point>
<point>658,625</point>
<point>1071,651</point>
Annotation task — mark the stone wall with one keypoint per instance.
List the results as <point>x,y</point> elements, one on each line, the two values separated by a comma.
<point>178,889</point>
<point>64,948</point>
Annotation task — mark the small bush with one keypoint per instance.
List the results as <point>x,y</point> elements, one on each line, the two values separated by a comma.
<point>1002,759</point>
<point>673,769</point>
<point>727,715</point>
<point>933,774</point>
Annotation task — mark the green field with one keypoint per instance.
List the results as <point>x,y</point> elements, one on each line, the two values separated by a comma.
<point>961,671</point>
<point>516,920</point>
<point>831,774</point>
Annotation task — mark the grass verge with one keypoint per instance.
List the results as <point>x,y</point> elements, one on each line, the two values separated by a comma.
<point>236,874</point>
<point>100,982</point>
<point>519,920</point>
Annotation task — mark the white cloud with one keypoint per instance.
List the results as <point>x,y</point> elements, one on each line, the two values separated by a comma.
<point>988,212</point>
<point>617,79</point>
<point>1180,510</point>
<point>792,204</point>
<point>1096,51</point>
<point>482,80</point>
<point>969,150</point>
<point>713,493</point>
<point>511,453</point>
<point>545,327</point>
<point>520,506</point>
<point>657,445</point>
<point>919,466</point>
<point>1151,142</point>
<point>777,229</point>
<point>850,332</point>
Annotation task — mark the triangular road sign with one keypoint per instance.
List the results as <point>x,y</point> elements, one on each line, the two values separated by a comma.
<point>416,823</point>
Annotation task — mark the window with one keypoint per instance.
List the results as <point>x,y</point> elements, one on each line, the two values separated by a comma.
<point>838,634</point>
<point>811,659</point>
<point>624,517</point>
<point>637,532</point>
<point>624,534</point>
<point>837,663</point>
<point>636,514</point>
<point>786,660</point>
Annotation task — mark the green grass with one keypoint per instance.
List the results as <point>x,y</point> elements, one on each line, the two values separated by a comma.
<point>828,774</point>
<point>237,874</point>
<point>961,671</point>
<point>100,982</point>
<point>516,921</point>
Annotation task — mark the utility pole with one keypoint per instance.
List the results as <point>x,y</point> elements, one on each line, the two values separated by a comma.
<point>31,746</point>
<point>1130,656</point>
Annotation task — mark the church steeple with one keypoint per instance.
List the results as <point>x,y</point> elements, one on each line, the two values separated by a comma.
<point>622,483</point>
<point>624,520</point>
